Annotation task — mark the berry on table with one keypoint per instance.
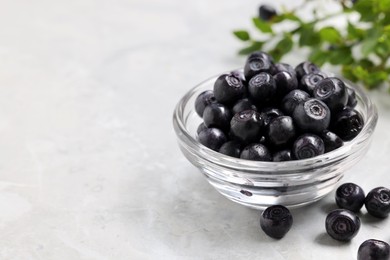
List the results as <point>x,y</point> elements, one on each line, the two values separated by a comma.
<point>342,224</point>
<point>276,221</point>
<point>377,202</point>
<point>350,196</point>
<point>373,249</point>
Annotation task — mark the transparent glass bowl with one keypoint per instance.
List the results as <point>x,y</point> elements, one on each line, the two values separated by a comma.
<point>261,184</point>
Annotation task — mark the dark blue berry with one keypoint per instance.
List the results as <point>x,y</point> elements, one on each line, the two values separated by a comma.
<point>312,115</point>
<point>243,104</point>
<point>266,12</point>
<point>352,101</point>
<point>332,92</point>
<point>228,89</point>
<point>292,99</point>
<point>268,114</point>
<point>307,146</point>
<point>283,155</point>
<point>350,196</point>
<point>373,249</point>
<point>285,82</point>
<point>304,68</point>
<point>239,74</point>
<point>347,124</point>
<point>203,100</point>
<point>217,115</point>
<point>256,64</point>
<point>310,81</point>
<point>212,138</point>
<point>279,67</point>
<point>281,131</point>
<point>256,152</point>
<point>331,141</point>
<point>246,126</point>
<point>276,221</point>
<point>377,202</point>
<point>231,148</point>
<point>342,224</point>
<point>200,128</point>
<point>262,89</point>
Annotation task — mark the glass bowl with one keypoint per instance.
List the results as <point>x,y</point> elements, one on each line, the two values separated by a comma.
<point>261,184</point>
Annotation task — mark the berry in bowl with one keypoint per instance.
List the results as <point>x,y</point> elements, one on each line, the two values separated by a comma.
<point>272,134</point>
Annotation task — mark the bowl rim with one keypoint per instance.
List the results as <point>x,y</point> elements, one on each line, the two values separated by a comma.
<point>274,167</point>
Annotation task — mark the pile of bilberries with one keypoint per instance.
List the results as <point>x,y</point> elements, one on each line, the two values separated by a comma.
<point>274,112</point>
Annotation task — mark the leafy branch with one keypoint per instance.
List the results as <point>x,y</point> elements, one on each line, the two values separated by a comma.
<point>361,48</point>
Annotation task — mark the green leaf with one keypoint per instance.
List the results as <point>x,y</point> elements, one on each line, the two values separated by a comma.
<point>255,46</point>
<point>242,35</point>
<point>308,37</point>
<point>354,32</point>
<point>282,47</point>
<point>341,55</point>
<point>359,72</point>
<point>318,56</point>
<point>330,34</point>
<point>384,5</point>
<point>347,72</point>
<point>261,25</point>
<point>368,46</point>
<point>366,10</point>
<point>374,79</point>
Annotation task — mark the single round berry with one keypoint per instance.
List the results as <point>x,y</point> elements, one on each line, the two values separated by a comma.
<point>307,146</point>
<point>266,12</point>
<point>212,138</point>
<point>373,249</point>
<point>310,81</point>
<point>239,74</point>
<point>262,88</point>
<point>231,148</point>
<point>200,128</point>
<point>342,224</point>
<point>281,131</point>
<point>331,141</point>
<point>228,89</point>
<point>279,67</point>
<point>304,68</point>
<point>203,100</point>
<point>243,104</point>
<point>332,92</point>
<point>217,115</point>
<point>276,221</point>
<point>256,64</point>
<point>347,124</point>
<point>352,101</point>
<point>292,100</point>
<point>377,202</point>
<point>268,114</point>
<point>285,82</point>
<point>283,155</point>
<point>256,152</point>
<point>350,196</point>
<point>246,126</point>
<point>312,115</point>
<point>261,54</point>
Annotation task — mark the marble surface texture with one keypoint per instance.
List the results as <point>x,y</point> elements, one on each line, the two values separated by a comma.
<point>90,167</point>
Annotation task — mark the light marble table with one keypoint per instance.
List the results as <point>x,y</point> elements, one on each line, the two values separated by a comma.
<point>89,166</point>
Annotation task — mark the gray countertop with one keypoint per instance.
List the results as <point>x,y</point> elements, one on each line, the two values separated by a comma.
<point>90,167</point>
